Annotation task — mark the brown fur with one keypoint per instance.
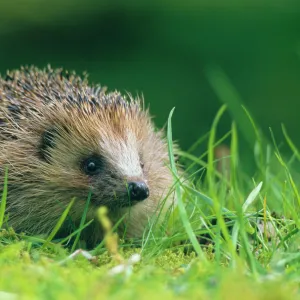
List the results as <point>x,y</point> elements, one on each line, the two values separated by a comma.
<point>85,121</point>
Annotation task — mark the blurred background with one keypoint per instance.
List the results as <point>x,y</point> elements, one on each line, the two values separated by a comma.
<point>163,49</point>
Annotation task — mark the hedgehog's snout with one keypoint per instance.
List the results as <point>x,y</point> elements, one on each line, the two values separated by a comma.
<point>138,190</point>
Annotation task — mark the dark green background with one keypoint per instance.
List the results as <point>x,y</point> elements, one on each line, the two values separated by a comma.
<point>161,49</point>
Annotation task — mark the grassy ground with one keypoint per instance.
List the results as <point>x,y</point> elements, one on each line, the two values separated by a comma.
<point>231,235</point>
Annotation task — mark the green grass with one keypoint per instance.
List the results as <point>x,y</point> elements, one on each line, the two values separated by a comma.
<point>209,247</point>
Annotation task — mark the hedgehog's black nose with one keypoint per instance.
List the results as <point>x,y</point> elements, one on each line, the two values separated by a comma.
<point>138,190</point>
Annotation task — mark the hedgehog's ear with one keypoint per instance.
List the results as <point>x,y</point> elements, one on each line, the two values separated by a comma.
<point>47,143</point>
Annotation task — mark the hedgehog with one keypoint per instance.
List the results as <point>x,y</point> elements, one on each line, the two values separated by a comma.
<point>63,138</point>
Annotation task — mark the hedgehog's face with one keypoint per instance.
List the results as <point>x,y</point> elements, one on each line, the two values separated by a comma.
<point>116,181</point>
<point>115,171</point>
<point>123,162</point>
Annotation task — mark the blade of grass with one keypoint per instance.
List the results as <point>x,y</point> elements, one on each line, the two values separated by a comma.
<point>290,143</point>
<point>288,173</point>
<point>234,158</point>
<point>218,142</point>
<point>59,223</point>
<point>211,142</point>
<point>239,227</point>
<point>250,199</point>
<point>208,200</point>
<point>252,196</point>
<point>195,160</point>
<point>182,211</point>
<point>198,142</point>
<point>3,198</point>
<point>82,221</point>
<point>257,141</point>
<point>217,206</point>
<point>76,232</point>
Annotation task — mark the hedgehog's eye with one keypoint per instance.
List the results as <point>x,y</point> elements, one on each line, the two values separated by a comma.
<point>142,165</point>
<point>92,165</point>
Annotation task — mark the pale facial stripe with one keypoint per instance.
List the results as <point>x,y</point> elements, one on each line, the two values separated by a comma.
<point>124,154</point>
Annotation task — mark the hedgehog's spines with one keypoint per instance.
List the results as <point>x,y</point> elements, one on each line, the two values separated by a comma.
<point>35,88</point>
